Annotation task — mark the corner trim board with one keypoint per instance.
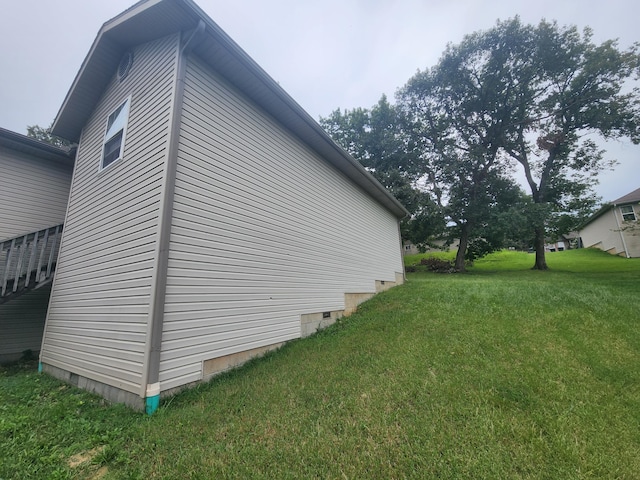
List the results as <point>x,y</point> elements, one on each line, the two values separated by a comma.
<point>151,372</point>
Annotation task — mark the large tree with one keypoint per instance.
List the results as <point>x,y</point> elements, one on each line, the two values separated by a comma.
<point>459,113</point>
<point>569,90</point>
<point>534,94</point>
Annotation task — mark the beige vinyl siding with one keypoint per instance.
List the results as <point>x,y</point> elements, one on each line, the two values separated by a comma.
<point>603,233</point>
<point>33,193</point>
<point>263,231</point>
<point>607,231</point>
<point>630,230</point>
<point>22,322</point>
<point>101,297</point>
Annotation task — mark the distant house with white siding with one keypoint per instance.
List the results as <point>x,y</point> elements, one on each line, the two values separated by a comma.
<point>35,178</point>
<point>210,218</point>
<point>615,228</point>
<point>439,245</point>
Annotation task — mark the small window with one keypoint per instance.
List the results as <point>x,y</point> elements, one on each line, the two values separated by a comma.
<point>114,138</point>
<point>627,213</point>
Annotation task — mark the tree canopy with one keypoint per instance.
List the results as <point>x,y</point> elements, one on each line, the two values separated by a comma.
<point>571,89</point>
<point>459,113</point>
<point>533,96</point>
<point>45,135</point>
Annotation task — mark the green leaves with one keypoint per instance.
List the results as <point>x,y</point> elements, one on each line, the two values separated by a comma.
<point>533,94</point>
<point>45,135</point>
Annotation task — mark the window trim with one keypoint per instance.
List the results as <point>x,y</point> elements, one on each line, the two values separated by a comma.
<point>122,117</point>
<point>630,212</point>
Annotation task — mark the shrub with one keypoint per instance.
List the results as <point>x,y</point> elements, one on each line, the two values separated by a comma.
<point>438,265</point>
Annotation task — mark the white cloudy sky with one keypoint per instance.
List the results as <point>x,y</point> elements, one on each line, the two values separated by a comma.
<point>325,54</point>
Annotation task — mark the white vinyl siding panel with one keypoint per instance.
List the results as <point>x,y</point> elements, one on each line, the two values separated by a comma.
<point>101,297</point>
<point>629,230</point>
<point>608,230</point>
<point>263,231</point>
<point>33,193</point>
<point>603,233</point>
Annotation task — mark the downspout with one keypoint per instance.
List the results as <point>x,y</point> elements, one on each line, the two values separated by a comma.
<point>404,270</point>
<point>624,243</point>
<point>151,375</point>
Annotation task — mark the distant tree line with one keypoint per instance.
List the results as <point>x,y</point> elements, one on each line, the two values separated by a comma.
<point>516,95</point>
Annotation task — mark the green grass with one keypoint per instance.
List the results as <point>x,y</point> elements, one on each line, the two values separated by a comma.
<point>503,372</point>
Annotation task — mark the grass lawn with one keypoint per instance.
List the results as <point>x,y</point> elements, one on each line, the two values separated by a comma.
<point>503,372</point>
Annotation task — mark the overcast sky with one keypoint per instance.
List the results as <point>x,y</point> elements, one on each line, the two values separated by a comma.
<point>325,54</point>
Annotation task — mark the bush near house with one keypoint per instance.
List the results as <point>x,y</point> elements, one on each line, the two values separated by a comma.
<point>504,372</point>
<point>438,265</point>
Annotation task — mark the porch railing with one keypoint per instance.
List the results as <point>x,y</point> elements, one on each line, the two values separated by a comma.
<point>28,261</point>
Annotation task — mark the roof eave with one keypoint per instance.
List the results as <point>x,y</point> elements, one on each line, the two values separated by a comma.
<point>31,146</point>
<point>239,68</point>
<point>309,130</point>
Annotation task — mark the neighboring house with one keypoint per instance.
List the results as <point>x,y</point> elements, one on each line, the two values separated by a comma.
<point>565,241</point>
<point>615,227</point>
<point>408,248</point>
<point>210,218</point>
<point>35,178</point>
<point>557,246</point>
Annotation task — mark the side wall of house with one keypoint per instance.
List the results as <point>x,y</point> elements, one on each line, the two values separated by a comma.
<point>98,315</point>
<point>33,193</point>
<point>263,231</point>
<point>605,233</point>
<point>601,234</point>
<point>632,231</point>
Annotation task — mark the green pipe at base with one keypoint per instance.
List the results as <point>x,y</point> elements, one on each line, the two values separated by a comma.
<point>152,404</point>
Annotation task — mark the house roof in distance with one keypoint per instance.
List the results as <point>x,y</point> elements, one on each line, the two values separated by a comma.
<point>148,20</point>
<point>628,198</point>
<point>31,146</point>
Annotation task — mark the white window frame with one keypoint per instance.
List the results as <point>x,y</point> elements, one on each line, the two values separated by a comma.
<point>625,214</point>
<point>116,126</point>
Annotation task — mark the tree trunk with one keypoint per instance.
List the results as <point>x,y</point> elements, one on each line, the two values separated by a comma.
<point>541,262</point>
<point>462,249</point>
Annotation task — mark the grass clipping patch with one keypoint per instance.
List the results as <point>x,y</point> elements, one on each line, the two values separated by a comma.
<point>86,460</point>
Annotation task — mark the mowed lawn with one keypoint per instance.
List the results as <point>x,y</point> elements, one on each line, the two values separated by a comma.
<point>502,372</point>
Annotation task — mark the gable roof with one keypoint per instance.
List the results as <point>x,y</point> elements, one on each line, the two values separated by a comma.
<point>31,146</point>
<point>628,198</point>
<point>151,19</point>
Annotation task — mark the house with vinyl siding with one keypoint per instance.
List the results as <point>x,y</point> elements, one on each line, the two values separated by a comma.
<point>35,178</point>
<point>210,218</point>
<point>615,228</point>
